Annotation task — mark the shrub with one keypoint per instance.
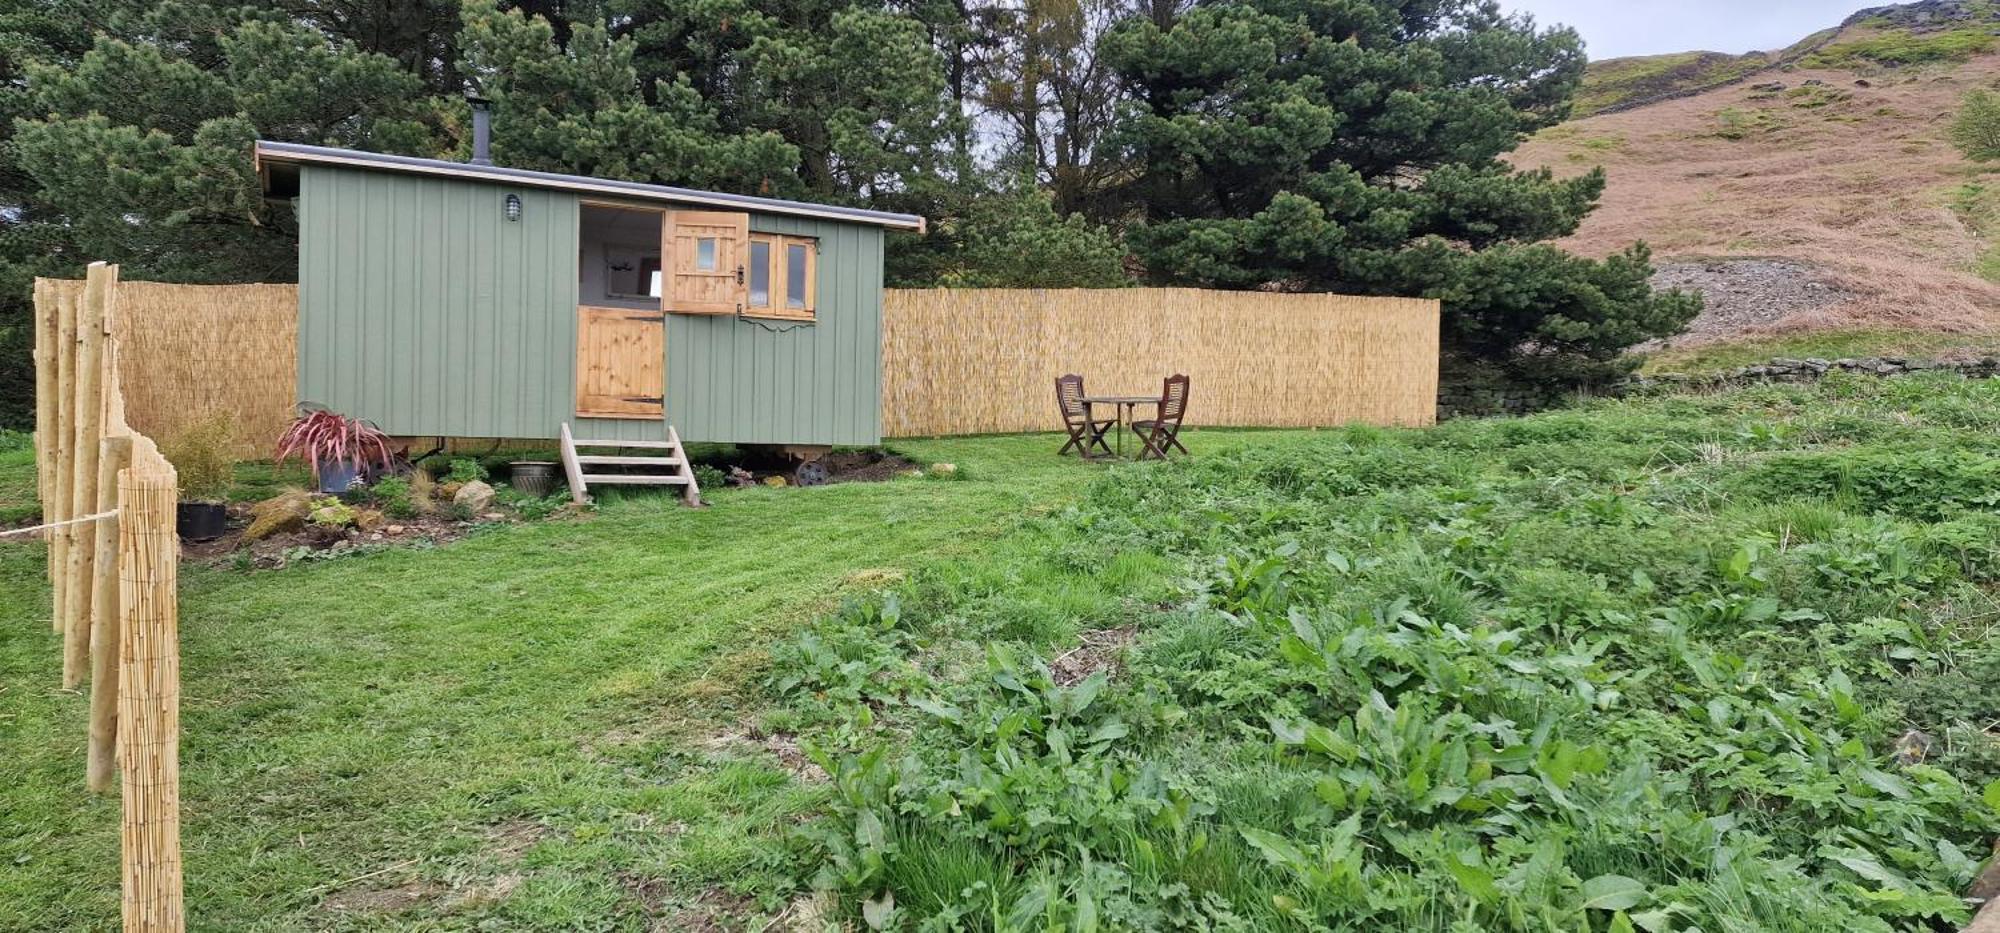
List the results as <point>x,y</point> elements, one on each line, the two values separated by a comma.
<point>465,470</point>
<point>1976,129</point>
<point>330,512</point>
<point>394,497</point>
<point>202,456</point>
<point>709,478</point>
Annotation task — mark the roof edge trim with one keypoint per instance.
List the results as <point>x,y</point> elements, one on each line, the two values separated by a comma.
<point>267,152</point>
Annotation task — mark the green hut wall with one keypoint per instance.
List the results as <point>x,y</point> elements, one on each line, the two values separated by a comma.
<point>424,310</point>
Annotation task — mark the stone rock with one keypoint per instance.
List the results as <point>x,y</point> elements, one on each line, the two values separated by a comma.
<point>475,496</point>
<point>1768,86</point>
<point>1986,885</point>
<point>393,530</point>
<point>774,481</point>
<point>367,519</point>
<point>278,514</point>
<point>494,516</point>
<point>739,476</point>
<point>1912,748</point>
<point>1863,82</point>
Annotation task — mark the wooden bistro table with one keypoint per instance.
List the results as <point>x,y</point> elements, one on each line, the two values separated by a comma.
<point>1127,402</point>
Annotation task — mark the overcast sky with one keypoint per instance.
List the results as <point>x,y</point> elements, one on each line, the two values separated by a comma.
<point>1615,28</point>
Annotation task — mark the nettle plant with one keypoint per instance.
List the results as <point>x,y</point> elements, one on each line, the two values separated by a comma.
<point>1630,668</point>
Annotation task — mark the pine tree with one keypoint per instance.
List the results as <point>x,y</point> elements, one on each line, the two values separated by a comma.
<point>1356,146</point>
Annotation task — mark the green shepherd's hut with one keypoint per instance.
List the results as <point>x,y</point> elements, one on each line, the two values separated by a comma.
<point>463,299</point>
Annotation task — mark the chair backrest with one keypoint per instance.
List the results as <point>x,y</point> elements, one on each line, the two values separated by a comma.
<point>1173,398</point>
<point>1069,398</point>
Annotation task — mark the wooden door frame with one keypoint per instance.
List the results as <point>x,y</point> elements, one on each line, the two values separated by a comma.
<point>576,312</point>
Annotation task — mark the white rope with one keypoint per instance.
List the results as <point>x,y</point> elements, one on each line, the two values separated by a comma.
<point>72,521</point>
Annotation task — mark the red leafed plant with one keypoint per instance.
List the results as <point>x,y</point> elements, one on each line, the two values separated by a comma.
<point>330,437</point>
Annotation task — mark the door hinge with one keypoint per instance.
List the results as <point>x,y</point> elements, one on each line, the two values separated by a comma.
<point>739,273</point>
<point>660,318</point>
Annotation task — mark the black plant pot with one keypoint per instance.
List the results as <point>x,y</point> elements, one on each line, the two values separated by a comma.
<point>201,521</point>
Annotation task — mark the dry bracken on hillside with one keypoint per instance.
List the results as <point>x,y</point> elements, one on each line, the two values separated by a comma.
<point>1848,170</point>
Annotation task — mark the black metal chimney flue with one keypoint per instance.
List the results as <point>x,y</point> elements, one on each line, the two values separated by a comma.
<point>482,129</point>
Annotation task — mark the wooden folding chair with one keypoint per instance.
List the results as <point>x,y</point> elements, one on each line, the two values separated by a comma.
<point>1162,434</point>
<point>1085,431</point>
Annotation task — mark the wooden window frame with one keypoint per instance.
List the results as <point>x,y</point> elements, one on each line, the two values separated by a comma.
<point>781,280</point>
<point>773,288</point>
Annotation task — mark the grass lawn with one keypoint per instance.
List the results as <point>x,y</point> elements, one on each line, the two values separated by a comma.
<point>543,726</point>
<point>1715,661</point>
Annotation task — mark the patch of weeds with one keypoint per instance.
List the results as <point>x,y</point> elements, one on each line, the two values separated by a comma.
<point>1640,665</point>
<point>1902,47</point>
<point>1977,205</point>
<point>1816,96</point>
<point>464,470</point>
<point>1736,123</point>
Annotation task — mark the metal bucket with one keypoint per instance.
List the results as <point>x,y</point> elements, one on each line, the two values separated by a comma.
<point>533,477</point>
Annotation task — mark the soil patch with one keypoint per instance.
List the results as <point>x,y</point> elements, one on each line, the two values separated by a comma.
<point>782,746</point>
<point>842,466</point>
<point>288,546</point>
<point>1101,650</point>
<point>381,900</point>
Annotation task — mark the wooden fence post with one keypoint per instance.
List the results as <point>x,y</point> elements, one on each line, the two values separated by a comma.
<point>149,691</point>
<point>64,446</point>
<point>104,606</point>
<point>45,395</point>
<point>99,283</point>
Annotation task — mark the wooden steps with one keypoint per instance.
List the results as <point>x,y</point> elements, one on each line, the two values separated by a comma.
<point>670,467</point>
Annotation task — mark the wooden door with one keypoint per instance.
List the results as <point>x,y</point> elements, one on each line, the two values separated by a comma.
<point>621,363</point>
<point>705,255</point>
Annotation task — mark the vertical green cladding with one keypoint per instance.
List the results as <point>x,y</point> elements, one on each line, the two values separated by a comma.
<point>782,382</point>
<point>424,310</point>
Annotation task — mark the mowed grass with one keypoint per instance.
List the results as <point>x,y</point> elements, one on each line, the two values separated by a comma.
<point>543,726</point>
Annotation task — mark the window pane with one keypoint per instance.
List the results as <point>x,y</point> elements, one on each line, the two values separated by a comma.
<point>760,274</point>
<point>704,254</point>
<point>649,275</point>
<point>795,275</point>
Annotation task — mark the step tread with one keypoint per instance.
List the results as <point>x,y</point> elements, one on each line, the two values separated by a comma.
<point>607,460</point>
<point>629,479</point>
<point>635,445</point>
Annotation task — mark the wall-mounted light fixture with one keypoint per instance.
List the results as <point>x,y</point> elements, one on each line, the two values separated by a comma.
<point>513,207</point>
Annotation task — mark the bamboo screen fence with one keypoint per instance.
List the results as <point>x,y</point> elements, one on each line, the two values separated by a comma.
<point>192,351</point>
<point>954,361</point>
<point>981,361</point>
<point>108,501</point>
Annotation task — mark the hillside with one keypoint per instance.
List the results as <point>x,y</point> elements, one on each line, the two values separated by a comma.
<point>1822,193</point>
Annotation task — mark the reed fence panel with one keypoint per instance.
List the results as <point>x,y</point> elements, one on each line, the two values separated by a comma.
<point>194,351</point>
<point>984,361</point>
<point>955,361</point>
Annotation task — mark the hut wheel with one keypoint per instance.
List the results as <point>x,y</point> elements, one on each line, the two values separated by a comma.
<point>810,473</point>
